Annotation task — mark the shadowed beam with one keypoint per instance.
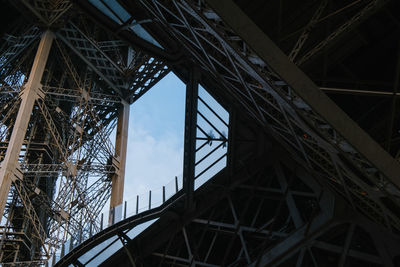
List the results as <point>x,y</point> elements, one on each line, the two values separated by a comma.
<point>242,25</point>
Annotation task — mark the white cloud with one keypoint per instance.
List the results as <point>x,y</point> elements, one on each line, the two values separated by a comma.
<point>151,163</point>
<point>155,143</point>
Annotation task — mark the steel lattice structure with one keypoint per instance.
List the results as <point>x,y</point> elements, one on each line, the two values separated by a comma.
<point>303,184</point>
<point>81,80</point>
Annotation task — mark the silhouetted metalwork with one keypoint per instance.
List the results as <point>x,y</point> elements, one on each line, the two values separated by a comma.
<point>274,173</point>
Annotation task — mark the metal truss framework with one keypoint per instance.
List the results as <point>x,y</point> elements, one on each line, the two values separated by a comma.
<point>326,200</point>
<point>48,11</point>
<point>307,127</point>
<point>277,218</point>
<point>366,9</point>
<point>343,193</point>
<point>207,131</point>
<point>65,165</point>
<point>261,210</point>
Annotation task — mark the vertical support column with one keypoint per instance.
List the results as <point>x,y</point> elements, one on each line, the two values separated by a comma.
<point>30,93</point>
<point>121,142</point>
<point>192,92</point>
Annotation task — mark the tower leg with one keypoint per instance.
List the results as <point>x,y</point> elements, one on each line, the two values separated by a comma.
<point>29,94</point>
<point>121,142</point>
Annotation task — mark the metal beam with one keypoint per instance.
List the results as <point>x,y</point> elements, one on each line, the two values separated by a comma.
<point>347,91</point>
<point>352,23</point>
<point>394,102</point>
<point>242,25</point>
<point>121,142</point>
<point>307,30</point>
<point>192,91</point>
<point>29,95</point>
<point>300,236</point>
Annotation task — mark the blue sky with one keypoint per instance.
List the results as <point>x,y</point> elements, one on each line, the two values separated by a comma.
<point>155,142</point>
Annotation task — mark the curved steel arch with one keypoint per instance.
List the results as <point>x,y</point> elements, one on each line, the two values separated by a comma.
<point>116,229</point>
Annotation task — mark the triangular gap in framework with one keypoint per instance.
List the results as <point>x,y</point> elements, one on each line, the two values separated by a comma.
<point>211,138</point>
